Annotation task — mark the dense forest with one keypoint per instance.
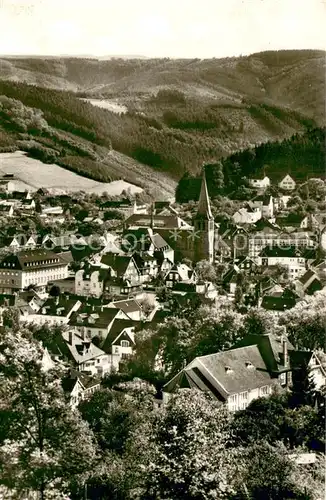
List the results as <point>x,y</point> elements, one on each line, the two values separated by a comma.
<point>169,141</point>
<point>180,115</point>
<point>292,78</point>
<point>302,156</point>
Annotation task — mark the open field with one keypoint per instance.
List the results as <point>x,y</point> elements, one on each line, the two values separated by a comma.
<point>33,174</point>
<point>109,104</point>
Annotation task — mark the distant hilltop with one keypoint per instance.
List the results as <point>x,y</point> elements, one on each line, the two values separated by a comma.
<point>71,56</point>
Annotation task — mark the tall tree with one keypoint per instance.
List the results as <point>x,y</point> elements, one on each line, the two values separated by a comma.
<point>188,452</point>
<point>44,446</point>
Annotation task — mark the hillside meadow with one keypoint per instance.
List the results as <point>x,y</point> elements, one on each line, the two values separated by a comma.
<point>33,174</point>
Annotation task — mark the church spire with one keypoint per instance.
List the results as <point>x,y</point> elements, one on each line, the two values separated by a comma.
<point>204,206</point>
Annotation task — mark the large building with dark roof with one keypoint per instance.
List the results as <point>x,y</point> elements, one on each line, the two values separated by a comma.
<point>195,242</point>
<point>30,267</point>
<point>237,376</point>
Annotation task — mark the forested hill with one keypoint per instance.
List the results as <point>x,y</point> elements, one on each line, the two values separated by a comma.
<point>291,78</point>
<point>180,113</point>
<point>302,156</point>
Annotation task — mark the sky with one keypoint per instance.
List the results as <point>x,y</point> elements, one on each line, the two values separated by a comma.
<point>160,28</point>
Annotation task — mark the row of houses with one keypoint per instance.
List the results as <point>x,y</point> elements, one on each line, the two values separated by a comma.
<point>263,182</point>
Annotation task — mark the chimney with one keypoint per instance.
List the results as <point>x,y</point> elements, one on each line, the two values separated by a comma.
<point>70,337</point>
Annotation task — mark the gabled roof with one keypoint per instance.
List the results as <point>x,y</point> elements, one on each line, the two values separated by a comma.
<point>292,219</point>
<point>264,223</point>
<point>270,347</point>
<point>80,349</point>
<point>119,325</point>
<point>82,252</point>
<point>287,177</point>
<point>94,319</point>
<point>314,286</point>
<point>64,240</point>
<point>58,306</point>
<point>159,242</point>
<point>264,198</point>
<point>119,263</point>
<point>6,208</point>
<point>127,306</point>
<point>88,270</point>
<point>65,256</point>
<point>309,253</point>
<point>225,373</point>
<point>74,376</point>
<point>306,278</point>
<point>185,272</point>
<point>141,259</point>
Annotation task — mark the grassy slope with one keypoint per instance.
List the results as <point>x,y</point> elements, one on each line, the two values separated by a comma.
<point>114,164</point>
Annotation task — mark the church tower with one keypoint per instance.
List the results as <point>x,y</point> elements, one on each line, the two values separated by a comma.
<point>204,226</point>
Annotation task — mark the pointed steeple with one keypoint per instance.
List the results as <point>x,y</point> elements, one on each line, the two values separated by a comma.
<point>204,206</point>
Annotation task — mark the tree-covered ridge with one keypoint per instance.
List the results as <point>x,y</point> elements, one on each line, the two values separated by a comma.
<point>169,132</point>
<point>302,156</point>
<point>292,78</point>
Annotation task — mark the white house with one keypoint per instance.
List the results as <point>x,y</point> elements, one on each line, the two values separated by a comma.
<point>54,311</point>
<point>317,369</point>
<point>239,375</point>
<point>261,183</point>
<point>131,307</point>
<point>6,210</point>
<point>120,342</point>
<point>265,204</point>
<point>287,183</point>
<point>247,215</point>
<point>177,273</point>
<point>83,354</point>
<point>289,257</point>
<point>97,322</point>
<point>79,386</point>
<point>30,267</point>
<point>89,281</point>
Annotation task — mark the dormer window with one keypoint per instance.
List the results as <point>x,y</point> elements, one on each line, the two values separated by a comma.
<point>249,365</point>
<point>228,369</point>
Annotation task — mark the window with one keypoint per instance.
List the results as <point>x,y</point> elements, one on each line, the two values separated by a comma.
<point>282,378</point>
<point>243,400</point>
<point>124,343</point>
<point>264,391</point>
<point>233,402</point>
